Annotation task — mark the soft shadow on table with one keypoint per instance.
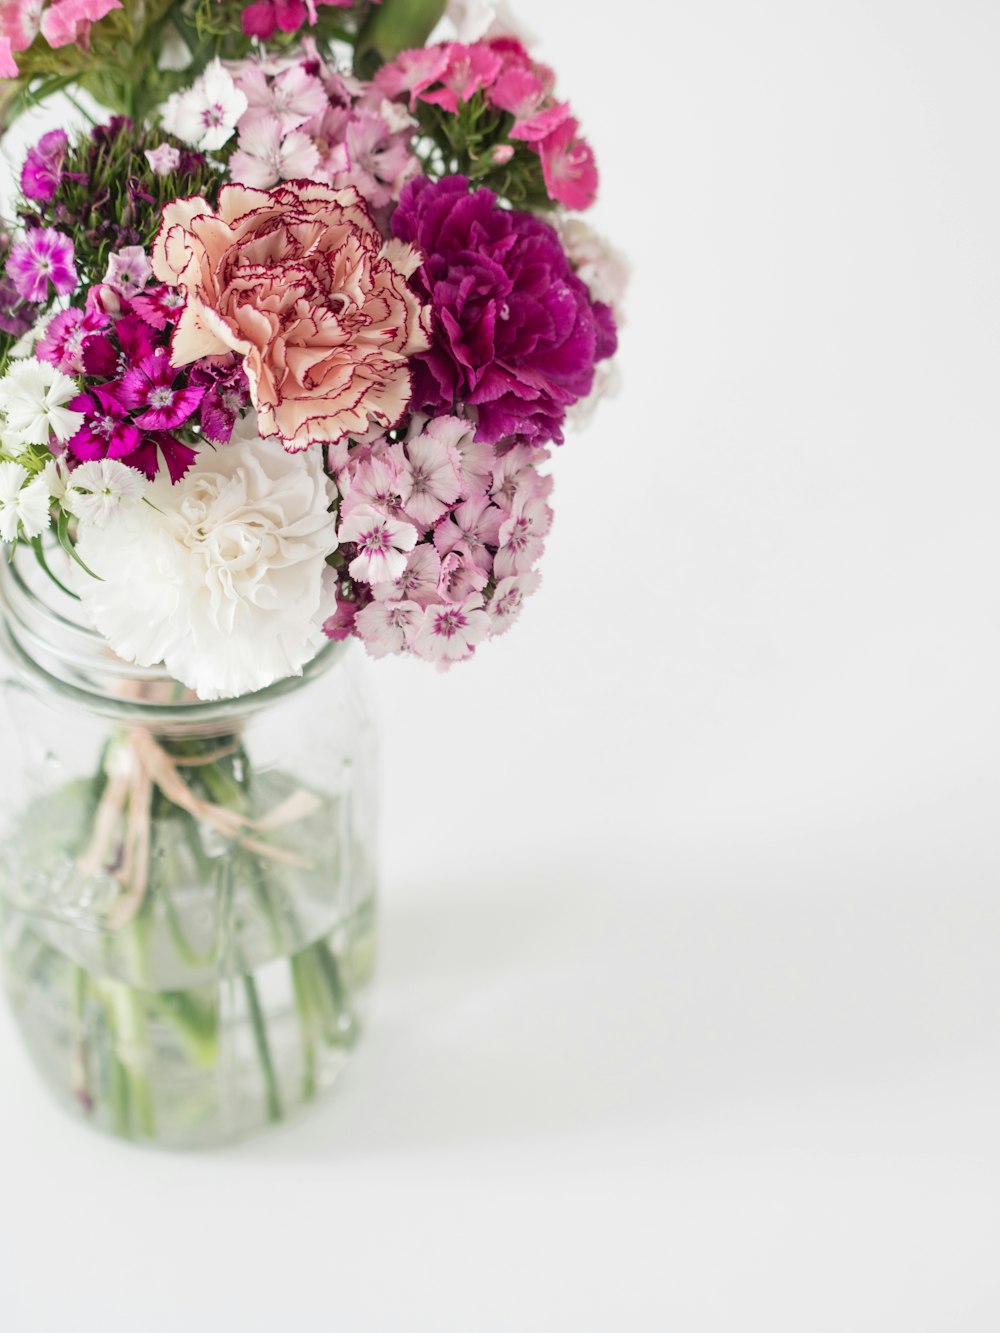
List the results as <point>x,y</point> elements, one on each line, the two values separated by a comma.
<point>534,1003</point>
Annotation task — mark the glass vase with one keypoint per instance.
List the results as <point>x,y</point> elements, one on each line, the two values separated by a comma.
<point>187,890</point>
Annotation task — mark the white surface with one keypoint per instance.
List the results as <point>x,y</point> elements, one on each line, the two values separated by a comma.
<point>689,1000</point>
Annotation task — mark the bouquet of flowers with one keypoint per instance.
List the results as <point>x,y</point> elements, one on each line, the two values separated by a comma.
<point>298,338</point>
<point>287,336</point>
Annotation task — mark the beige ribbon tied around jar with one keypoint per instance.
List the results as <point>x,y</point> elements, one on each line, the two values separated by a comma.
<point>139,768</point>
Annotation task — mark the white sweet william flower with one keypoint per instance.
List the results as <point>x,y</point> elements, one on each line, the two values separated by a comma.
<point>222,576</point>
<point>33,398</point>
<point>205,115</point>
<point>97,490</point>
<point>382,544</point>
<point>56,475</point>
<point>22,506</point>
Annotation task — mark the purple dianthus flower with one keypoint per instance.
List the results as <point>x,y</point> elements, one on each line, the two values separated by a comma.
<point>516,333</point>
<point>45,255</point>
<point>42,170</point>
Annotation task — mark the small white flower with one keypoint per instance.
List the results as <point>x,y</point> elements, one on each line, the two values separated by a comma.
<point>25,345</point>
<point>96,490</point>
<point>205,115</point>
<point>22,506</point>
<point>56,475</point>
<point>223,576</point>
<point>33,396</point>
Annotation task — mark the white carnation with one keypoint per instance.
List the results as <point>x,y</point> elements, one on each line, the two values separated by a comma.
<point>221,576</point>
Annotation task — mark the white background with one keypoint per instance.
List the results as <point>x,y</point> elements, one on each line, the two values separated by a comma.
<point>688,1012</point>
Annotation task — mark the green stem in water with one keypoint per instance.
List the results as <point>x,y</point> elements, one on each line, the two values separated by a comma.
<point>263,1049</point>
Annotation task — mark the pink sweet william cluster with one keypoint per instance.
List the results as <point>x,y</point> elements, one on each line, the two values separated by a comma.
<point>452,73</point>
<point>305,119</point>
<point>441,534</point>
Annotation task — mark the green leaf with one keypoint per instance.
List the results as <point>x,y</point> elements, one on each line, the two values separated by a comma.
<point>39,550</point>
<point>62,533</point>
<point>394,26</point>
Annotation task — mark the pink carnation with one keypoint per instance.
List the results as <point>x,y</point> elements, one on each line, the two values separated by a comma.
<point>298,282</point>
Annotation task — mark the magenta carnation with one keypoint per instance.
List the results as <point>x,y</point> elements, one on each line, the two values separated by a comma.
<point>516,334</point>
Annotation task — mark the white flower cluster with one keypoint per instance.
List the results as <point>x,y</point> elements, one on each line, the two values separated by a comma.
<point>33,398</point>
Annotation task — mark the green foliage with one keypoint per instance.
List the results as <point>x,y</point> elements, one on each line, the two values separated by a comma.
<point>118,64</point>
<point>391,27</point>
<point>114,193</point>
<point>464,143</point>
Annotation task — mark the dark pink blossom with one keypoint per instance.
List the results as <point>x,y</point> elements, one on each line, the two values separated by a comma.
<point>515,332</point>
<point>42,170</point>
<point>109,355</point>
<point>106,431</point>
<point>340,625</point>
<point>568,166</point>
<point>158,305</point>
<point>16,314</point>
<point>151,390</point>
<point>43,257</point>
<point>227,394</point>
<point>66,335</point>
<point>146,457</point>
<point>266,17</point>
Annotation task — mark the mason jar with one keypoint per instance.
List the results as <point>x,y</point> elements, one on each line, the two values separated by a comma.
<point>187,888</point>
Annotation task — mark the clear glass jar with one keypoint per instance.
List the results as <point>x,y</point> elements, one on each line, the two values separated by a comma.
<point>186,888</point>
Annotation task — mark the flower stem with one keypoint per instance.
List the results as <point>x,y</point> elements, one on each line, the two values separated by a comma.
<point>263,1049</point>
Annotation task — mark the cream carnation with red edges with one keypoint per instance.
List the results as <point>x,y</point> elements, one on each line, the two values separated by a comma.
<point>299,282</point>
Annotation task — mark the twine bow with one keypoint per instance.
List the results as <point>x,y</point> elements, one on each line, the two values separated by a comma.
<point>132,785</point>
